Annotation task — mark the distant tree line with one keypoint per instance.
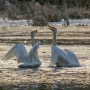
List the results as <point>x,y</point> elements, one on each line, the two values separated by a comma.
<point>43,11</point>
<point>82,3</point>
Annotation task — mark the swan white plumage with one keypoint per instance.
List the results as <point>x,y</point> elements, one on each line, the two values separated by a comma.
<point>62,58</point>
<point>25,59</point>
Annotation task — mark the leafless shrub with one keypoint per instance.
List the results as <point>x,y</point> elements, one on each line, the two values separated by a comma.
<point>12,11</point>
<point>41,14</point>
<point>86,13</point>
<point>39,20</point>
<point>34,13</point>
<point>75,13</point>
<point>51,12</point>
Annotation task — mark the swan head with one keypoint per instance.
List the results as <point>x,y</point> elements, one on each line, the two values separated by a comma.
<point>33,32</point>
<point>52,28</point>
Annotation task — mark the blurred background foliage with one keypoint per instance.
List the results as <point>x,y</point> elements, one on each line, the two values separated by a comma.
<point>42,11</point>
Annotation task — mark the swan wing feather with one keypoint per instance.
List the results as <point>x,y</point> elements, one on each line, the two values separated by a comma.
<point>10,54</point>
<point>33,55</point>
<point>73,58</point>
<point>34,49</point>
<point>18,51</point>
<point>59,57</point>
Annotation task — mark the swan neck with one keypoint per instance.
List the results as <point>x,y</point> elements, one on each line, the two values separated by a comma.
<point>32,39</point>
<point>54,39</point>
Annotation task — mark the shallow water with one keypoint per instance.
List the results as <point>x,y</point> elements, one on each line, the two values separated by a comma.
<point>74,22</point>
<point>82,72</point>
<point>8,22</point>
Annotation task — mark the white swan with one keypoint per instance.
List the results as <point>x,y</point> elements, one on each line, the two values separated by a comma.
<point>62,58</point>
<point>25,59</point>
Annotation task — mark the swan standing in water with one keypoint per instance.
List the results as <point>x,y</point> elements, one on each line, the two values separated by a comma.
<point>62,58</point>
<point>25,59</point>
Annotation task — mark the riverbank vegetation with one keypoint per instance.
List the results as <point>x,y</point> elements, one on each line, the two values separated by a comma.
<point>43,11</point>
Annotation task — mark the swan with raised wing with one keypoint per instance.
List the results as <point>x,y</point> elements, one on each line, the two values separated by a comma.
<point>25,59</point>
<point>62,58</point>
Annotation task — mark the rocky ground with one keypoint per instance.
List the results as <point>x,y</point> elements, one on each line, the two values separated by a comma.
<point>75,38</point>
